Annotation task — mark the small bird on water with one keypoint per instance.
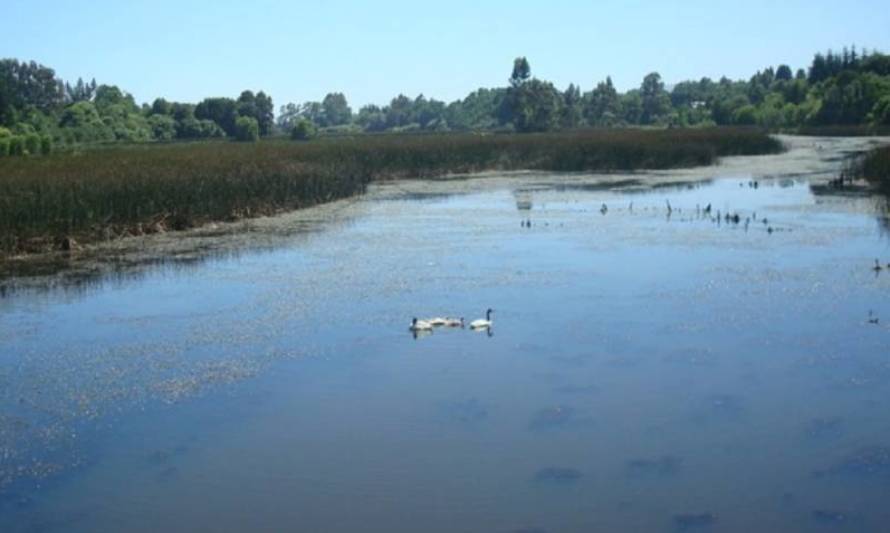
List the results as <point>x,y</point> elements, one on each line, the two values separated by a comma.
<point>877,267</point>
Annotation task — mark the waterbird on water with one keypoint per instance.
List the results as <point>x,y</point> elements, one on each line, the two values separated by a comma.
<point>482,323</point>
<point>877,267</point>
<point>420,325</point>
<point>872,319</point>
<point>445,321</point>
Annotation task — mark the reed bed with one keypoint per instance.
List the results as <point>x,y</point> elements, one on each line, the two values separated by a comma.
<point>875,167</point>
<point>104,193</point>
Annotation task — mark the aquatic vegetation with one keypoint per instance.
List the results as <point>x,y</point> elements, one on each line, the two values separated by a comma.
<point>137,189</point>
<point>557,475</point>
<point>875,167</point>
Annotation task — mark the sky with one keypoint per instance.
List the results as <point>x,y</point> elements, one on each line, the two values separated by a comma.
<point>371,51</point>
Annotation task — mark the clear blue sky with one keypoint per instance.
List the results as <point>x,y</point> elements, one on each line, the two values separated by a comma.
<point>296,51</point>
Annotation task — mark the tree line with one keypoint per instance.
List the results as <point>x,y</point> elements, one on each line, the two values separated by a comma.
<point>37,109</point>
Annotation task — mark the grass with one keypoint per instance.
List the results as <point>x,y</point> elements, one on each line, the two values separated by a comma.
<point>104,193</point>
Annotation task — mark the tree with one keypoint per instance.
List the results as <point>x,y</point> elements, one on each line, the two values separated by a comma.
<point>247,104</point>
<point>654,99</point>
<point>109,95</point>
<point>535,106</point>
<point>521,72</point>
<point>161,107</point>
<point>603,107</point>
<point>400,112</point>
<point>880,113</point>
<point>429,114</point>
<point>80,92</point>
<point>192,128</point>
<point>784,73</point>
<point>265,113</point>
<point>371,118</point>
<point>632,106</point>
<point>223,111</point>
<point>571,107</point>
<point>82,123</point>
<point>303,130</point>
<point>163,127</point>
<point>259,107</point>
<point>336,110</point>
<point>247,129</point>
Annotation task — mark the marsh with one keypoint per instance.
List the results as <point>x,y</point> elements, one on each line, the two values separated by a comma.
<point>650,368</point>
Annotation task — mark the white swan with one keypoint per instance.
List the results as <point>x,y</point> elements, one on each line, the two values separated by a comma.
<point>445,321</point>
<point>420,325</point>
<point>482,323</point>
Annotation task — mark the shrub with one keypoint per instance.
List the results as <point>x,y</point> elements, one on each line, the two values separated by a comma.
<point>32,143</point>
<point>4,146</point>
<point>247,129</point>
<point>192,128</point>
<point>17,145</point>
<point>46,145</point>
<point>303,130</point>
<point>163,127</point>
<point>4,133</point>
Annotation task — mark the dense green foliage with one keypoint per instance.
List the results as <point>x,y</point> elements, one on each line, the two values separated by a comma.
<point>99,193</point>
<point>247,129</point>
<point>303,130</point>
<point>838,89</point>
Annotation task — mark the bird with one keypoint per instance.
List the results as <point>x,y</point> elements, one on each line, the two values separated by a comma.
<point>445,321</point>
<point>482,323</point>
<point>454,322</point>
<point>420,325</point>
<point>877,267</point>
<point>604,209</point>
<point>872,319</point>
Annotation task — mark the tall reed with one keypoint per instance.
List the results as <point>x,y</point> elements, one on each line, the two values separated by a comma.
<point>93,194</point>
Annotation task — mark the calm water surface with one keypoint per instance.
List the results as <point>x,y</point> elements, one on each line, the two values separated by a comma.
<point>647,371</point>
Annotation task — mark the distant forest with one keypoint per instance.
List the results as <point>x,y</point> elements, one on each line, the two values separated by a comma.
<point>38,110</point>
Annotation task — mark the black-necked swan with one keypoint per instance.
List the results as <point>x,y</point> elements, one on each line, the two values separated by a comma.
<point>482,323</point>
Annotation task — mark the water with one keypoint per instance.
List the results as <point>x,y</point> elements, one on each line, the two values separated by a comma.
<point>644,372</point>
